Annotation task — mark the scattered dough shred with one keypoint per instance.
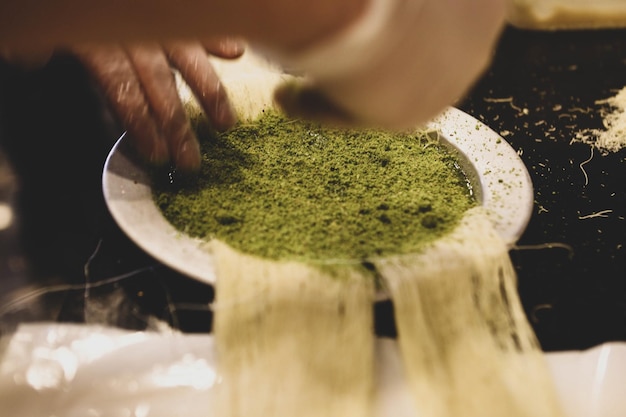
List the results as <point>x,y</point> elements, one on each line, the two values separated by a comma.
<point>613,137</point>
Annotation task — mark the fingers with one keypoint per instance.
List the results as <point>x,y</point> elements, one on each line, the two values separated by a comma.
<point>157,79</point>
<point>138,82</point>
<point>112,70</point>
<point>192,62</point>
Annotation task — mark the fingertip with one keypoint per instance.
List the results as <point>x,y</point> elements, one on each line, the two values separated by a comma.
<point>148,144</point>
<point>159,154</point>
<point>286,98</point>
<point>233,47</point>
<point>158,160</point>
<point>224,116</point>
<point>188,157</point>
<point>228,47</point>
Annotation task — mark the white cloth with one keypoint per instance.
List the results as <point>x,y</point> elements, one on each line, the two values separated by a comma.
<point>74,370</point>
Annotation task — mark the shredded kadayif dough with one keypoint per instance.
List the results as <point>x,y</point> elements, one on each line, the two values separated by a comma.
<point>291,339</point>
<point>467,346</point>
<point>294,339</point>
<point>297,340</point>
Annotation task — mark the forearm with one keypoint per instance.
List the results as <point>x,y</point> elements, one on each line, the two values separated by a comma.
<point>43,24</point>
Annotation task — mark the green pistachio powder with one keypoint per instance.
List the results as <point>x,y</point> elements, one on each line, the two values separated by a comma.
<point>281,188</point>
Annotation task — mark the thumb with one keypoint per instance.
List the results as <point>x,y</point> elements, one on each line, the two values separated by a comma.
<point>303,101</point>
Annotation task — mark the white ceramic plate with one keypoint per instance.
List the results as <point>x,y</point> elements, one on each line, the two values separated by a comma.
<point>498,176</point>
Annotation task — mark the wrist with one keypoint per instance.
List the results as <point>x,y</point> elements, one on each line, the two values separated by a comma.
<point>290,26</point>
<point>349,45</point>
<point>348,49</point>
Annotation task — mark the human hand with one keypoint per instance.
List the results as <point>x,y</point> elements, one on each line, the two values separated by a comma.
<point>400,65</point>
<point>138,82</point>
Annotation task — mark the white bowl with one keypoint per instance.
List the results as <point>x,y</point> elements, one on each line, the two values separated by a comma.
<point>499,178</point>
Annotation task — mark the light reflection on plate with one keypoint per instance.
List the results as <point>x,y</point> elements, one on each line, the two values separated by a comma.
<point>496,172</point>
<point>174,373</point>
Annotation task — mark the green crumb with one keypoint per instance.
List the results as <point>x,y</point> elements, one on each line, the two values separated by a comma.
<point>281,188</point>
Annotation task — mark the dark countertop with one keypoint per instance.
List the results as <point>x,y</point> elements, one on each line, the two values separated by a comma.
<point>541,90</point>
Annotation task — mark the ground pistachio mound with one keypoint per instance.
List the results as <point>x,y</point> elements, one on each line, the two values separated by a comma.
<point>281,188</point>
